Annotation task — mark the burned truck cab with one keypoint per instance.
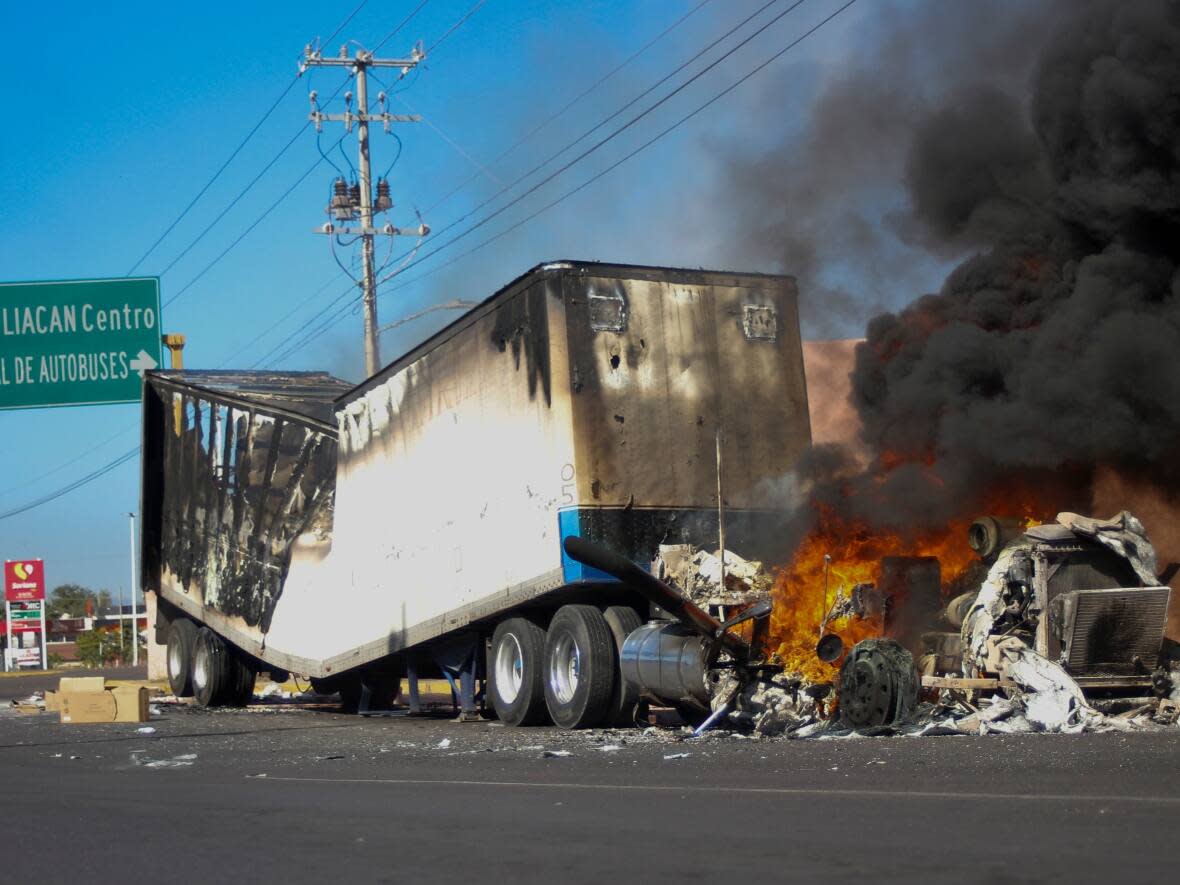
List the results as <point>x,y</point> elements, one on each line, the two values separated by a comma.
<point>1081,593</point>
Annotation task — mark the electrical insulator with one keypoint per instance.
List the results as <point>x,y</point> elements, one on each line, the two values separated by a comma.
<point>340,207</point>
<point>384,201</point>
<point>354,197</point>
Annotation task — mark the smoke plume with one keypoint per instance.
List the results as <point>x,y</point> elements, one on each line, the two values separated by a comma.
<point>1052,348</point>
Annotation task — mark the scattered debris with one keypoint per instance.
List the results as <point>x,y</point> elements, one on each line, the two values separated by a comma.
<point>444,743</point>
<point>698,574</point>
<point>147,729</point>
<point>556,754</point>
<point>274,690</point>
<point>184,760</point>
<point>677,756</point>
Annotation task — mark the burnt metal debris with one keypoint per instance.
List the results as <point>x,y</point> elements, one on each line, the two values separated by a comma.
<point>249,463</point>
<point>1063,632</point>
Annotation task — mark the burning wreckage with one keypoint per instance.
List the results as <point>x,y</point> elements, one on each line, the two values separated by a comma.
<point>1062,631</point>
<point>478,508</point>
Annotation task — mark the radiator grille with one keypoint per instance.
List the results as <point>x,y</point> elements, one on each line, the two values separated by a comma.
<point>1113,626</point>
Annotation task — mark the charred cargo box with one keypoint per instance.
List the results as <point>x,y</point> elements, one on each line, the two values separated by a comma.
<point>583,399</point>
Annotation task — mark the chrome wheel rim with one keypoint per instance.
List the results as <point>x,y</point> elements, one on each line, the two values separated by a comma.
<point>565,666</point>
<point>175,665</point>
<point>509,668</point>
<point>200,668</point>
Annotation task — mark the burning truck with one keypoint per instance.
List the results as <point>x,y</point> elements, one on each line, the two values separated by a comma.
<point>524,503</point>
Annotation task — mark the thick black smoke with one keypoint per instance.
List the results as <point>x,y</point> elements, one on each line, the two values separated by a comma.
<point>1054,347</point>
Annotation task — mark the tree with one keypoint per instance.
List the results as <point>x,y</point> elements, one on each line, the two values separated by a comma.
<point>105,646</point>
<point>69,601</point>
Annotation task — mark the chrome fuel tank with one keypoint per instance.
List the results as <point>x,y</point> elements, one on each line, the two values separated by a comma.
<point>666,661</point>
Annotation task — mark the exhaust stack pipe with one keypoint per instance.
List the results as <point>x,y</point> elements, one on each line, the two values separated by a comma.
<point>656,592</point>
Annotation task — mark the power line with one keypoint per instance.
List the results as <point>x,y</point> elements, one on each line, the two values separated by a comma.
<point>249,135</point>
<point>244,233</point>
<point>695,56</point>
<point>233,202</point>
<point>321,325</point>
<point>89,451</point>
<point>336,318</point>
<point>229,359</point>
<point>569,104</point>
<point>602,142</point>
<point>405,21</point>
<point>472,11</point>
<point>78,483</point>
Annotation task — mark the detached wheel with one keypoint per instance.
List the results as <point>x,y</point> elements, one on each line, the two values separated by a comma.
<point>182,634</point>
<point>580,666</point>
<point>515,665</point>
<point>624,706</point>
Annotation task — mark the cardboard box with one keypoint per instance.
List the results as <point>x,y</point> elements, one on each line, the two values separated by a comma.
<point>88,699</point>
<point>87,706</point>
<point>131,703</point>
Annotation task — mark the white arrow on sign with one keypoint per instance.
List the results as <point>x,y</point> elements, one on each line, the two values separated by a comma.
<point>143,362</point>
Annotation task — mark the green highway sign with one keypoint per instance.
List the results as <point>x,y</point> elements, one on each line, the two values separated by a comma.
<point>77,342</point>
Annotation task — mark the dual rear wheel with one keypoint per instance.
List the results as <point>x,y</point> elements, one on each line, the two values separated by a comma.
<point>567,672</point>
<point>203,665</point>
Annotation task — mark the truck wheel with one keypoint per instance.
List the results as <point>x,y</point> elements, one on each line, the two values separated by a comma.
<point>580,667</point>
<point>212,684</point>
<point>242,677</point>
<point>622,621</point>
<point>515,664</point>
<point>181,635</point>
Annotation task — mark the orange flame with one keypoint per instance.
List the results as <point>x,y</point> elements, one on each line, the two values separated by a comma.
<point>803,595</point>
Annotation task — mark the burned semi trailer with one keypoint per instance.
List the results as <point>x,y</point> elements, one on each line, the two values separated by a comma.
<point>415,523</point>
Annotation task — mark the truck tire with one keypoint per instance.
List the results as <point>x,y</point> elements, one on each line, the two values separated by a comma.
<point>624,706</point>
<point>181,635</point>
<point>216,678</point>
<point>515,665</point>
<point>580,667</point>
<point>242,677</point>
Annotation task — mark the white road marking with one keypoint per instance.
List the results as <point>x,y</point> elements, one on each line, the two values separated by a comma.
<point>767,791</point>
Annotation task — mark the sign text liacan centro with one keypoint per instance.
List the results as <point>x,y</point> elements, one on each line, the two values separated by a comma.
<point>77,342</point>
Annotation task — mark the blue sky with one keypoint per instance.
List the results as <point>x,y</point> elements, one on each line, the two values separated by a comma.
<point>115,122</point>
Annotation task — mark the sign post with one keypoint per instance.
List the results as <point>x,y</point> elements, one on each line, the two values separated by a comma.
<point>24,586</point>
<point>77,342</point>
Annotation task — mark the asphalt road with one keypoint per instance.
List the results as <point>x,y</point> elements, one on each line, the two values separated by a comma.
<point>309,795</point>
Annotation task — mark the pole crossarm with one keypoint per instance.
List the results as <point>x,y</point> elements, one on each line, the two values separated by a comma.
<point>387,230</point>
<point>316,116</point>
<point>362,58</point>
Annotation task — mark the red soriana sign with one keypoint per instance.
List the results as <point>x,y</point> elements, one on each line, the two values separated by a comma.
<point>24,580</point>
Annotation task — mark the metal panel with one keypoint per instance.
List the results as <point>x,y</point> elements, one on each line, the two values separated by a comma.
<point>1112,627</point>
<point>237,488</point>
<point>649,401</point>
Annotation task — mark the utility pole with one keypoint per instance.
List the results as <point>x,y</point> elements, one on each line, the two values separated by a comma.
<point>358,202</point>
<point>134,613</point>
